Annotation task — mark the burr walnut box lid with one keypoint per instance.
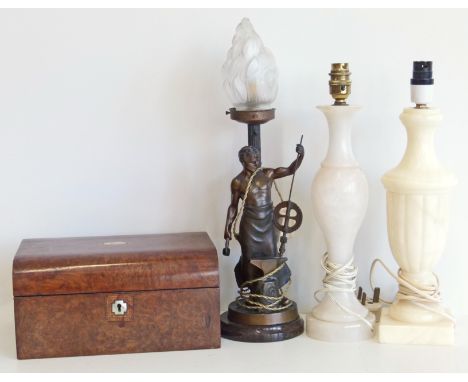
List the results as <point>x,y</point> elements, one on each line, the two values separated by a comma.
<point>115,263</point>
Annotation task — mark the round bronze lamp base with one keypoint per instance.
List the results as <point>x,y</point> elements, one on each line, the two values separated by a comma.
<point>241,324</point>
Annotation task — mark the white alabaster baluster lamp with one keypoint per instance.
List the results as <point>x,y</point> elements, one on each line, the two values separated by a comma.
<point>339,201</point>
<point>418,197</point>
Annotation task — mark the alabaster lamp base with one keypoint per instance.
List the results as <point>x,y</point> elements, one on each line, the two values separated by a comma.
<point>350,331</point>
<point>391,331</point>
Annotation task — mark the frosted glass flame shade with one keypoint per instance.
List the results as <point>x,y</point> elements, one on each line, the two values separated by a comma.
<point>250,73</point>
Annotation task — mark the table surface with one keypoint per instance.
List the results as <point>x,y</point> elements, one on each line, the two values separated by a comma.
<point>300,354</point>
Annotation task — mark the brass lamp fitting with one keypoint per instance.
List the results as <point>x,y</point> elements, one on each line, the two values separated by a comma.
<point>340,83</point>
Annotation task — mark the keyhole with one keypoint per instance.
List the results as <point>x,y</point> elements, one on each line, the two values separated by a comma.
<point>119,307</point>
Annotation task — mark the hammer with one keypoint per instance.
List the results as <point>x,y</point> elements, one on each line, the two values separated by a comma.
<point>226,250</point>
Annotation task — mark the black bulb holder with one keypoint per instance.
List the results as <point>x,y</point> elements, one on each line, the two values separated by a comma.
<point>422,73</point>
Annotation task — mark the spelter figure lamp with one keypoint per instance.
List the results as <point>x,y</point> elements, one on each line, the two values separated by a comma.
<point>261,312</point>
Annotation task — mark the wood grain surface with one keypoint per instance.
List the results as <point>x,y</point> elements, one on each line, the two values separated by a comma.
<point>64,290</point>
<point>73,325</point>
<point>115,263</point>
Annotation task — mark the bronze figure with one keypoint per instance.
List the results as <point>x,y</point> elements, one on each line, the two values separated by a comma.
<point>261,313</point>
<point>257,233</point>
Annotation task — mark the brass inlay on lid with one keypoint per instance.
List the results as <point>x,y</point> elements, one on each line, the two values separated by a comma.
<point>115,243</point>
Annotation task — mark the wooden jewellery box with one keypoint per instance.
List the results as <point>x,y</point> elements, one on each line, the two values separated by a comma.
<point>116,294</point>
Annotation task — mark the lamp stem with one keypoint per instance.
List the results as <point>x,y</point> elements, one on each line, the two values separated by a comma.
<point>254,137</point>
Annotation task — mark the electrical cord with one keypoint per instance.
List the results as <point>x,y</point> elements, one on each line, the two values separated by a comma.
<point>418,294</point>
<point>340,278</point>
<point>246,297</point>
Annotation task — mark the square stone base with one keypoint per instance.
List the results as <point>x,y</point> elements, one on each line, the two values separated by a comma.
<point>390,331</point>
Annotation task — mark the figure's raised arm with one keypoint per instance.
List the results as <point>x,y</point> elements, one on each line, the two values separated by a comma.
<point>232,209</point>
<point>281,172</point>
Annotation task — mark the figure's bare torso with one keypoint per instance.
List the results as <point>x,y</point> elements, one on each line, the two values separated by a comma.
<point>260,190</point>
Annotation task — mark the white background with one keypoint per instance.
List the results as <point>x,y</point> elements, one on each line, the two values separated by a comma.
<point>112,122</point>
